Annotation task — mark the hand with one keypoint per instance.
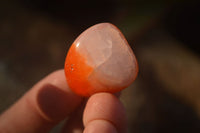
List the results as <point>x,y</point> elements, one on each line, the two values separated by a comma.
<point>50,101</point>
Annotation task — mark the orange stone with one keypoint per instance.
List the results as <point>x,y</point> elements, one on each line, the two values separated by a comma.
<point>100,60</point>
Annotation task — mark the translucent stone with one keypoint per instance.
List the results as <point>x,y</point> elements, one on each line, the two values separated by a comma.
<point>100,60</point>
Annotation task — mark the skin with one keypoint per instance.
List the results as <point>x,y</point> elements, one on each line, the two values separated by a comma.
<point>50,101</point>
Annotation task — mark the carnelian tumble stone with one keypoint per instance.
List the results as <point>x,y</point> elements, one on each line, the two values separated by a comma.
<point>100,60</point>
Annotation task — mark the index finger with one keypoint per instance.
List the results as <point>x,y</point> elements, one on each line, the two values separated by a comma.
<point>48,102</point>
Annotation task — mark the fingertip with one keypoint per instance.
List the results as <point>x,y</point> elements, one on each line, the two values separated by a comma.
<point>105,106</point>
<point>54,103</point>
<point>52,97</point>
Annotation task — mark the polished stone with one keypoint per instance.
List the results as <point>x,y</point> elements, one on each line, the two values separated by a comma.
<point>100,60</point>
